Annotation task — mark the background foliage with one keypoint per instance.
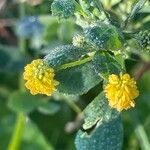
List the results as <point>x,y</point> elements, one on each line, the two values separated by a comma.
<point>28,31</point>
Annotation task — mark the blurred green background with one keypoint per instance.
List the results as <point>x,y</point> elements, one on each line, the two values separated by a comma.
<point>27,32</point>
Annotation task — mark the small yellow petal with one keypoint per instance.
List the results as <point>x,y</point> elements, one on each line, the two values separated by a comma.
<point>40,78</point>
<point>121,91</point>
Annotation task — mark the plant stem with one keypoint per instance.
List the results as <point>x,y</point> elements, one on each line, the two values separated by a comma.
<point>22,45</point>
<point>75,63</point>
<point>142,137</point>
<point>73,106</point>
<point>145,67</point>
<point>21,118</point>
<point>22,41</point>
<point>21,83</point>
<point>18,132</point>
<point>140,131</point>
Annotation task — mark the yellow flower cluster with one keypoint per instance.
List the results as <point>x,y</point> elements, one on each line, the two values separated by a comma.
<point>40,78</point>
<point>121,91</point>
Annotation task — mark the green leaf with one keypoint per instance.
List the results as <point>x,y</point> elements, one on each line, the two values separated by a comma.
<point>49,108</point>
<point>105,64</point>
<point>98,112</point>
<point>64,54</point>
<point>24,102</point>
<point>10,62</point>
<point>144,83</point>
<point>34,139</point>
<point>137,7</point>
<point>66,31</point>
<point>107,136</point>
<point>4,59</point>
<point>134,10</point>
<point>102,127</point>
<point>6,128</point>
<point>63,8</point>
<point>77,80</point>
<point>85,4</point>
<point>90,8</point>
<point>51,26</point>
<point>104,37</point>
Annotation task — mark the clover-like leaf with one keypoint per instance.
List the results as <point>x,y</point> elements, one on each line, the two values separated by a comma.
<point>63,8</point>
<point>98,111</point>
<point>138,5</point>
<point>107,136</point>
<point>64,54</point>
<point>24,102</point>
<point>102,127</point>
<point>49,108</point>
<point>104,37</point>
<point>77,80</point>
<point>105,64</point>
<point>30,132</point>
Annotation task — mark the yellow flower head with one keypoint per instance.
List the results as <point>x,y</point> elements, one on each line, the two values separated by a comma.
<point>40,78</point>
<point>121,91</point>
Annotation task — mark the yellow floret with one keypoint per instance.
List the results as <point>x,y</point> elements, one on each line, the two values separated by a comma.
<point>121,91</point>
<point>40,78</point>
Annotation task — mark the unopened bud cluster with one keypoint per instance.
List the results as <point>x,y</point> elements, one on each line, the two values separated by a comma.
<point>144,39</point>
<point>78,41</point>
